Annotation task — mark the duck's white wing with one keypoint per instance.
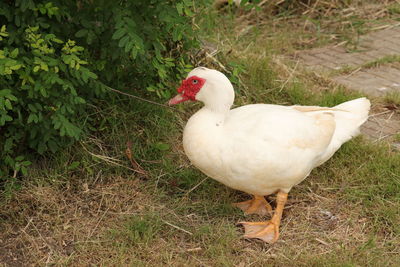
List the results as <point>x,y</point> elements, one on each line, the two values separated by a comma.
<point>280,126</point>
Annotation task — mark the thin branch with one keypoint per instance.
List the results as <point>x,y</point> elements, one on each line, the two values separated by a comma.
<point>193,188</point>
<point>97,225</point>
<point>134,163</point>
<point>177,227</point>
<point>143,99</point>
<point>108,159</point>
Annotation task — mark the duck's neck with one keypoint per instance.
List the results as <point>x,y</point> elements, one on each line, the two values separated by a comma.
<point>217,108</point>
<point>219,98</point>
<point>205,126</point>
<point>210,116</point>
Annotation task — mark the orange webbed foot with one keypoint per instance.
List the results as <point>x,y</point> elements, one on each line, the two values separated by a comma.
<point>266,231</point>
<point>257,205</point>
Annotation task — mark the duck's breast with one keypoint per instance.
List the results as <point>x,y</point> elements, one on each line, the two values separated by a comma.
<point>202,139</point>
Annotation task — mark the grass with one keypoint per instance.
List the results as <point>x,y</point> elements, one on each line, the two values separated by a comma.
<point>101,213</point>
<point>393,98</point>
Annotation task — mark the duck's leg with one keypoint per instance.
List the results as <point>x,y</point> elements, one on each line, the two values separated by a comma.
<point>267,231</point>
<point>257,205</point>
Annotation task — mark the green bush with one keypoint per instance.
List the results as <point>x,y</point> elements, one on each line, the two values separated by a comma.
<point>56,58</point>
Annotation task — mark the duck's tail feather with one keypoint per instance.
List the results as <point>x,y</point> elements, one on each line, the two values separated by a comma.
<point>349,116</point>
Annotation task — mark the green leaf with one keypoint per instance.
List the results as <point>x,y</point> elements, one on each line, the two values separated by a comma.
<point>5,92</point>
<point>74,165</point>
<point>161,146</point>
<point>41,148</point>
<point>151,88</point>
<point>32,108</point>
<point>130,22</point>
<point>11,97</point>
<point>44,66</point>
<point>26,163</point>
<point>81,33</point>
<point>134,53</point>
<point>79,100</point>
<point>24,170</point>
<point>53,146</point>
<point>188,12</point>
<point>32,118</point>
<point>7,103</point>
<point>16,67</point>
<point>14,53</point>
<point>118,34</point>
<point>179,7</point>
<point>19,158</point>
<point>128,46</point>
<point>123,41</point>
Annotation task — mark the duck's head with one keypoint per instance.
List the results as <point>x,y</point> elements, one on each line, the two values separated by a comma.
<point>209,86</point>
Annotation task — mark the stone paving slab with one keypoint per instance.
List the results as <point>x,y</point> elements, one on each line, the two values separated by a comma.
<point>375,82</point>
<point>383,127</point>
<point>372,46</point>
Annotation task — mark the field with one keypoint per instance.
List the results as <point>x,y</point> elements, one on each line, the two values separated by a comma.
<point>90,206</point>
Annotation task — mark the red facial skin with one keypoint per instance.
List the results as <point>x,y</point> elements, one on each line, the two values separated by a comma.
<point>188,90</point>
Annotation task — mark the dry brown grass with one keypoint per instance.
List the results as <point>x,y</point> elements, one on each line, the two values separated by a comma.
<point>294,25</point>
<point>75,226</point>
<point>44,224</point>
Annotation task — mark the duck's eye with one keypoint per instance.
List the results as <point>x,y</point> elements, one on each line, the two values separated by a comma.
<point>195,82</point>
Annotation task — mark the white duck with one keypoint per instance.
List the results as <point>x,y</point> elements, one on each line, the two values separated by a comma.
<point>261,149</point>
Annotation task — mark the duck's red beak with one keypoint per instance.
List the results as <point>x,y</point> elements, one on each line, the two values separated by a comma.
<point>179,98</point>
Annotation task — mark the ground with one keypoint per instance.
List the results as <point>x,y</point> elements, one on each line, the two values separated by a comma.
<point>89,206</point>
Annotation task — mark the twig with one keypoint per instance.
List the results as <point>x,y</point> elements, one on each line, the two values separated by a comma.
<point>380,113</point>
<point>390,116</point>
<point>143,99</point>
<point>290,76</point>
<point>321,241</point>
<point>97,225</point>
<point>108,159</point>
<point>193,188</point>
<point>193,249</point>
<point>45,242</point>
<point>177,227</point>
<point>27,225</point>
<point>385,26</point>
<point>217,61</point>
<point>354,72</point>
<point>134,163</point>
